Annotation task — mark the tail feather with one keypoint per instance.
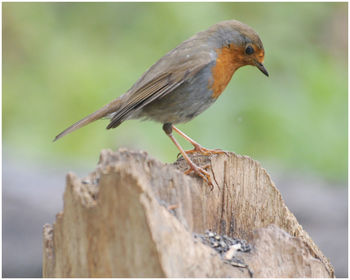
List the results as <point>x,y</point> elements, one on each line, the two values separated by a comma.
<point>104,111</point>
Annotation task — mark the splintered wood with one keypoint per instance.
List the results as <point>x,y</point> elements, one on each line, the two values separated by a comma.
<point>137,217</point>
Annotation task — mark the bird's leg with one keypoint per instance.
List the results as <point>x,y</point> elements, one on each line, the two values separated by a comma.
<point>168,128</point>
<point>197,147</point>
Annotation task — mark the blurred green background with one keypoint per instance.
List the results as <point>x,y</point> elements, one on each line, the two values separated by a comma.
<point>62,61</point>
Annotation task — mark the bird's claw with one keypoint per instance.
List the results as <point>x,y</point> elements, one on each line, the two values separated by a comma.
<point>200,171</point>
<point>205,151</point>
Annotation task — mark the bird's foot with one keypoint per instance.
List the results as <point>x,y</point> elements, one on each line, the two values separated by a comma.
<point>200,171</point>
<point>204,151</point>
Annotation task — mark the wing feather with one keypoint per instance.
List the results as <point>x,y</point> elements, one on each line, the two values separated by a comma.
<point>158,87</point>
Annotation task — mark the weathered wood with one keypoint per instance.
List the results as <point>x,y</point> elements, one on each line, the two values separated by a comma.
<point>134,217</point>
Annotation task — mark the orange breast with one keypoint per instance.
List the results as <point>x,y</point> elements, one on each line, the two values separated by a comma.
<point>227,62</point>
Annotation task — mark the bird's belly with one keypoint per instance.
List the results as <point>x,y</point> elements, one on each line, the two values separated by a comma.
<point>181,105</point>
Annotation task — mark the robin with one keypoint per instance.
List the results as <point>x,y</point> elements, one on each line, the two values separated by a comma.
<point>185,82</point>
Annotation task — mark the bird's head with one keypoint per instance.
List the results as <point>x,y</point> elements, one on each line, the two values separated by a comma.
<point>241,42</point>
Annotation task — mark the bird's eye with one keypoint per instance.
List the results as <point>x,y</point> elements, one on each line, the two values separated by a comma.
<point>249,50</point>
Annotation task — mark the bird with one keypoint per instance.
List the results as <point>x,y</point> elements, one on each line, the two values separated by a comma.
<point>184,83</point>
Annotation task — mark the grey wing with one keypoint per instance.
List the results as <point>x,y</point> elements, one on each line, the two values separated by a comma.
<point>145,92</point>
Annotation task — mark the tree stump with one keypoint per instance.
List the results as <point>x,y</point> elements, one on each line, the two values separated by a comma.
<point>137,217</point>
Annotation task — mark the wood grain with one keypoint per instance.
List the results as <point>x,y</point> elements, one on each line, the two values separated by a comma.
<point>135,217</point>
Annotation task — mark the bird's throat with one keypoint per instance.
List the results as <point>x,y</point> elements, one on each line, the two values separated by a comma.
<point>227,62</point>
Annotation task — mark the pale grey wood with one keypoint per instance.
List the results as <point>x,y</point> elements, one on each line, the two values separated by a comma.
<point>134,217</point>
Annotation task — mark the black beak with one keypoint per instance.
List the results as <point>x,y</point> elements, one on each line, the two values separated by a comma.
<point>262,68</point>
